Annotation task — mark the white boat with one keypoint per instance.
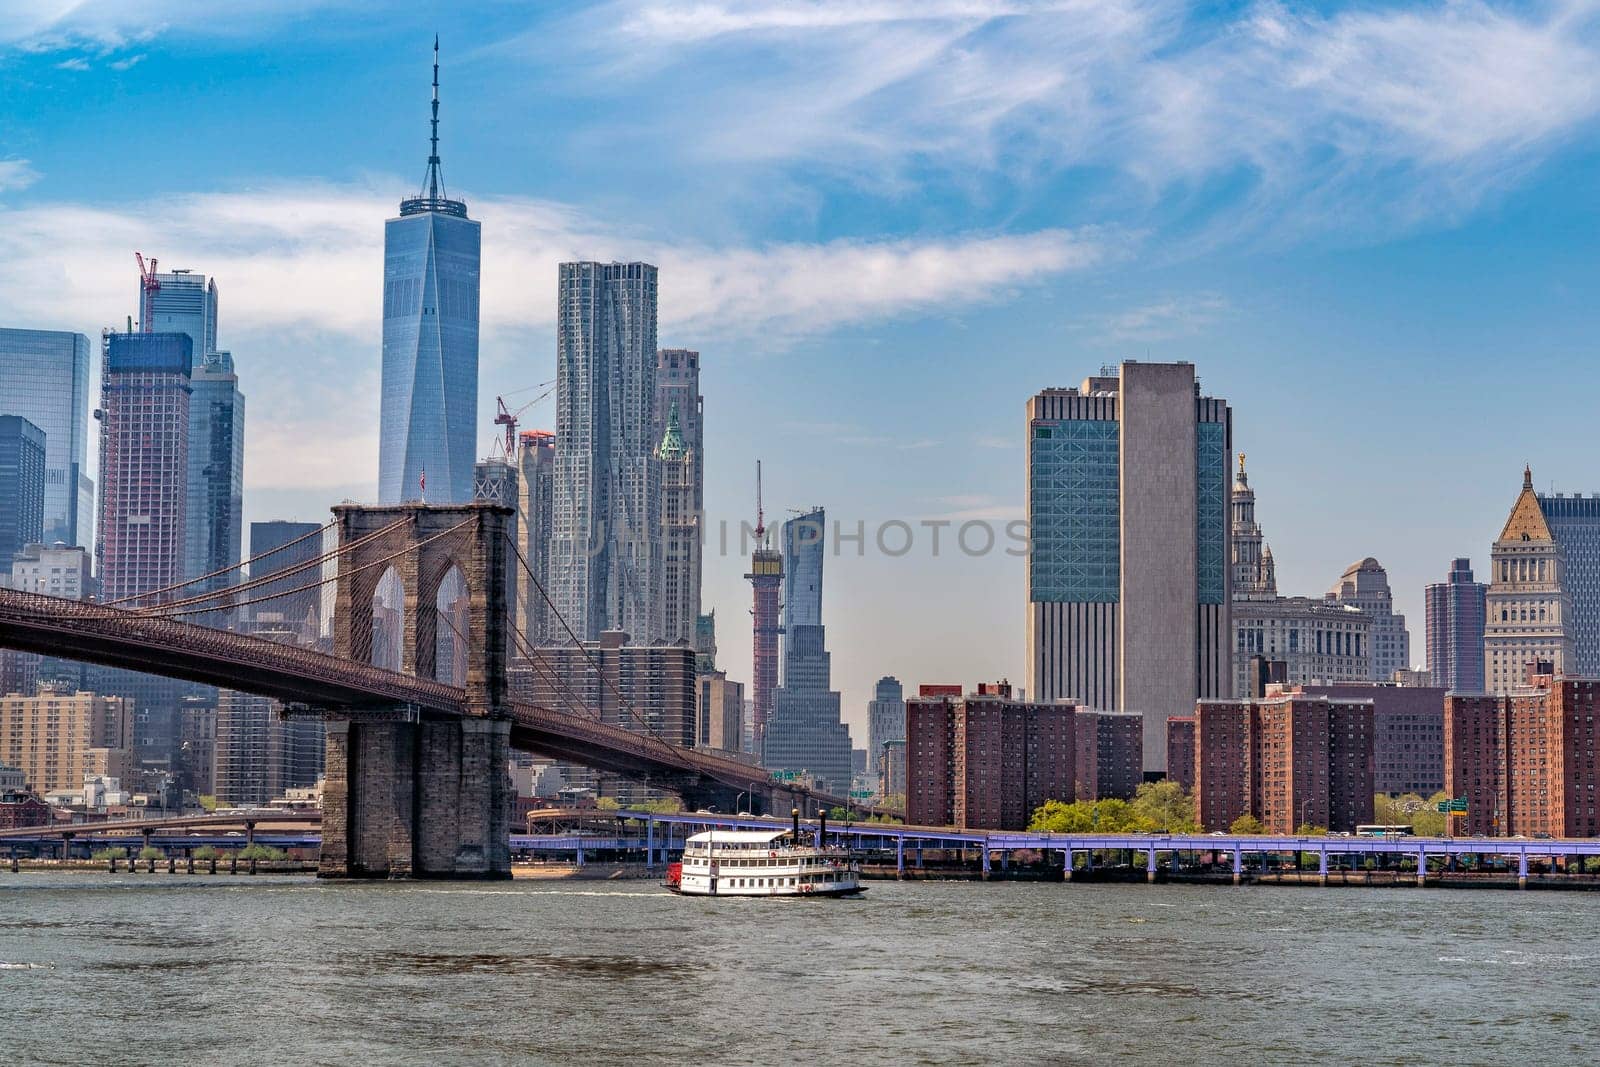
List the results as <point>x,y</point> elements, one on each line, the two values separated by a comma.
<point>762,863</point>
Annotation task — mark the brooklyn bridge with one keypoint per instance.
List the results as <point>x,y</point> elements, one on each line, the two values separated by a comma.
<point>416,768</point>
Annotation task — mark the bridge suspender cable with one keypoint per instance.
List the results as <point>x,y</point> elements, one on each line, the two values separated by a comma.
<point>217,574</point>
<point>254,583</point>
<point>162,612</point>
<point>622,701</point>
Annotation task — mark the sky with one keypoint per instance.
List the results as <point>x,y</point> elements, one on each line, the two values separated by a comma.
<point>1371,226</point>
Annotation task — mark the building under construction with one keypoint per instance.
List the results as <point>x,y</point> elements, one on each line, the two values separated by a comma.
<point>766,579</point>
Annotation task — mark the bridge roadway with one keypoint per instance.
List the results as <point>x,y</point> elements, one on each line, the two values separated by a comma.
<point>307,682</point>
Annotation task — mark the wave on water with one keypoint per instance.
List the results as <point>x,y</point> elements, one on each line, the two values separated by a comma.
<point>4,966</point>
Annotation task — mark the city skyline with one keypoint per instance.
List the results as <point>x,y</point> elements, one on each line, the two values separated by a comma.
<point>1367,330</point>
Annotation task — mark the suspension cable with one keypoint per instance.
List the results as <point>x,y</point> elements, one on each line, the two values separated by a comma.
<point>215,574</point>
<point>275,576</point>
<point>151,613</point>
<point>622,701</point>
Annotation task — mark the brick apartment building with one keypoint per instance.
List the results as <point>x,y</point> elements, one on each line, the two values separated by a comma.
<point>985,760</point>
<point>1525,760</point>
<point>1408,724</point>
<point>1287,760</point>
<point>1180,751</point>
<point>1110,754</point>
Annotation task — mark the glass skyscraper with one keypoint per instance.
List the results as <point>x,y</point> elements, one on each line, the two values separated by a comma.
<point>805,732</point>
<point>1575,523</point>
<point>1455,629</point>
<point>186,302</point>
<point>44,377</point>
<point>21,486</point>
<point>427,427</point>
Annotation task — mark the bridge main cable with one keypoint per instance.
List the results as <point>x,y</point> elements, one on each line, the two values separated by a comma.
<point>218,573</point>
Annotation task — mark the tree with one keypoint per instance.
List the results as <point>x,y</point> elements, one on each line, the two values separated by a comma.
<point>205,852</point>
<point>208,802</point>
<point>1305,829</point>
<point>1164,806</point>
<point>261,852</point>
<point>1061,817</point>
<point>608,804</point>
<point>150,852</point>
<point>1427,820</point>
<point>1246,824</point>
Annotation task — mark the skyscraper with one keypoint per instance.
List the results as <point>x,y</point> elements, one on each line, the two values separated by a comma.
<point>678,380</point>
<point>44,377</point>
<point>427,426</point>
<point>278,547</point>
<point>805,732</point>
<point>1455,610</point>
<point>1528,610</point>
<point>1128,562</point>
<point>1365,585</point>
<point>144,462</point>
<point>22,478</point>
<point>605,555</point>
<point>536,458</point>
<point>680,534</point>
<point>215,520</point>
<point>1574,522</point>
<point>186,302</point>
<point>886,719</point>
<point>766,582</point>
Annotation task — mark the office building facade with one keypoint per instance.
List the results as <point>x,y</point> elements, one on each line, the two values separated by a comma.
<point>680,534</point>
<point>1109,750</point>
<point>1456,608</point>
<point>1528,615</point>
<point>1408,732</point>
<point>1365,586</point>
<point>606,553</point>
<point>536,458</point>
<point>721,713</point>
<point>428,419</point>
<point>54,570</point>
<point>144,462</point>
<point>45,378</point>
<point>22,484</point>
<point>886,718</point>
<point>279,547</point>
<point>1574,523</point>
<point>1128,564</point>
<point>805,732</point>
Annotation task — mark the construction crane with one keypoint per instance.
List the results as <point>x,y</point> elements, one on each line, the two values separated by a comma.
<point>508,418</point>
<point>149,284</point>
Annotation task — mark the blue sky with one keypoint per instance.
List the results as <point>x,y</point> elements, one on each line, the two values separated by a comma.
<point>884,224</point>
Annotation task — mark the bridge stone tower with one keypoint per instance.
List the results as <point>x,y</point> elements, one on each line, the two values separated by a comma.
<point>410,792</point>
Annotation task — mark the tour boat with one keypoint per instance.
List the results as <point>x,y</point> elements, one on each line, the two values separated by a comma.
<point>762,863</point>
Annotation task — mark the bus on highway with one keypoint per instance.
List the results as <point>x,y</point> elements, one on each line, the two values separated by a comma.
<point>1384,830</point>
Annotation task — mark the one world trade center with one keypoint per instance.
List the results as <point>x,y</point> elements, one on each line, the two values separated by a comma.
<point>428,423</point>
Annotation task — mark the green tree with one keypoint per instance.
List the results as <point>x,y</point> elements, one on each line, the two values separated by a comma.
<point>208,802</point>
<point>1164,806</point>
<point>1061,817</point>
<point>205,852</point>
<point>607,804</point>
<point>1427,820</point>
<point>110,854</point>
<point>1305,829</point>
<point>150,852</point>
<point>1246,824</point>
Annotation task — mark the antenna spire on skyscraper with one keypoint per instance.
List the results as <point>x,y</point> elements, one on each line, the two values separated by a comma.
<point>435,180</point>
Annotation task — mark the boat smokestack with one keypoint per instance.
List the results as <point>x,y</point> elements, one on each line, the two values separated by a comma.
<point>822,828</point>
<point>795,814</point>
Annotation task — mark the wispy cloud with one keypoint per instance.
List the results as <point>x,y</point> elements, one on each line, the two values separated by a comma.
<point>128,63</point>
<point>298,270</point>
<point>1286,111</point>
<point>75,63</point>
<point>1163,320</point>
<point>16,174</point>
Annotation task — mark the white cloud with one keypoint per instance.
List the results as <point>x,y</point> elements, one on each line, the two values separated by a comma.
<point>1376,112</point>
<point>16,174</point>
<point>1164,319</point>
<point>299,273</point>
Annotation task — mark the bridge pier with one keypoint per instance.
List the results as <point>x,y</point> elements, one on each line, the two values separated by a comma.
<point>416,798</point>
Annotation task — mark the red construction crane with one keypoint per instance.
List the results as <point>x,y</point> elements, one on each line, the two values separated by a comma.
<point>150,285</point>
<point>508,418</point>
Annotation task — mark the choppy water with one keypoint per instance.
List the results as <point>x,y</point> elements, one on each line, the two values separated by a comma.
<point>173,970</point>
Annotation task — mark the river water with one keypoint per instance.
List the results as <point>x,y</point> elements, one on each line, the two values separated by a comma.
<point>96,968</point>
